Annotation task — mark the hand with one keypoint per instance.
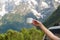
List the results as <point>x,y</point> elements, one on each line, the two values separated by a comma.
<point>36,23</point>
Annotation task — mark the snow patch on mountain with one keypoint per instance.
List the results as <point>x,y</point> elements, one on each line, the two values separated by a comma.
<point>41,6</point>
<point>2,12</point>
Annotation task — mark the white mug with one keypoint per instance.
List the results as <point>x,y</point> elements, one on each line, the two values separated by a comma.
<point>29,20</point>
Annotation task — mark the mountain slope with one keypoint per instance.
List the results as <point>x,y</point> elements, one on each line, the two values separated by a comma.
<point>54,18</point>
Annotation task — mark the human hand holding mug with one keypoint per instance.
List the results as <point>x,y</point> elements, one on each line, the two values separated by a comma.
<point>36,23</point>
<point>33,21</point>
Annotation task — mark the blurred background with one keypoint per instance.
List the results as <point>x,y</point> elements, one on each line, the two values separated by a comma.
<point>13,13</point>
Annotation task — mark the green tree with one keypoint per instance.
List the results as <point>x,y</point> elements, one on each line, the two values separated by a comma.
<point>36,34</point>
<point>24,34</point>
<point>32,34</point>
<point>2,37</point>
<point>14,35</point>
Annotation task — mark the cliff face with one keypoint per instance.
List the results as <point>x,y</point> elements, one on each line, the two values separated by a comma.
<point>54,18</point>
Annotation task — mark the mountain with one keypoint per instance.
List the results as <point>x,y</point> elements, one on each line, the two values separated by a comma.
<point>17,21</point>
<point>19,11</point>
<point>53,19</point>
<point>45,7</point>
<point>13,21</point>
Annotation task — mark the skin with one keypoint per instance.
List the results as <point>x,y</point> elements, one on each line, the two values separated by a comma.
<point>45,30</point>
